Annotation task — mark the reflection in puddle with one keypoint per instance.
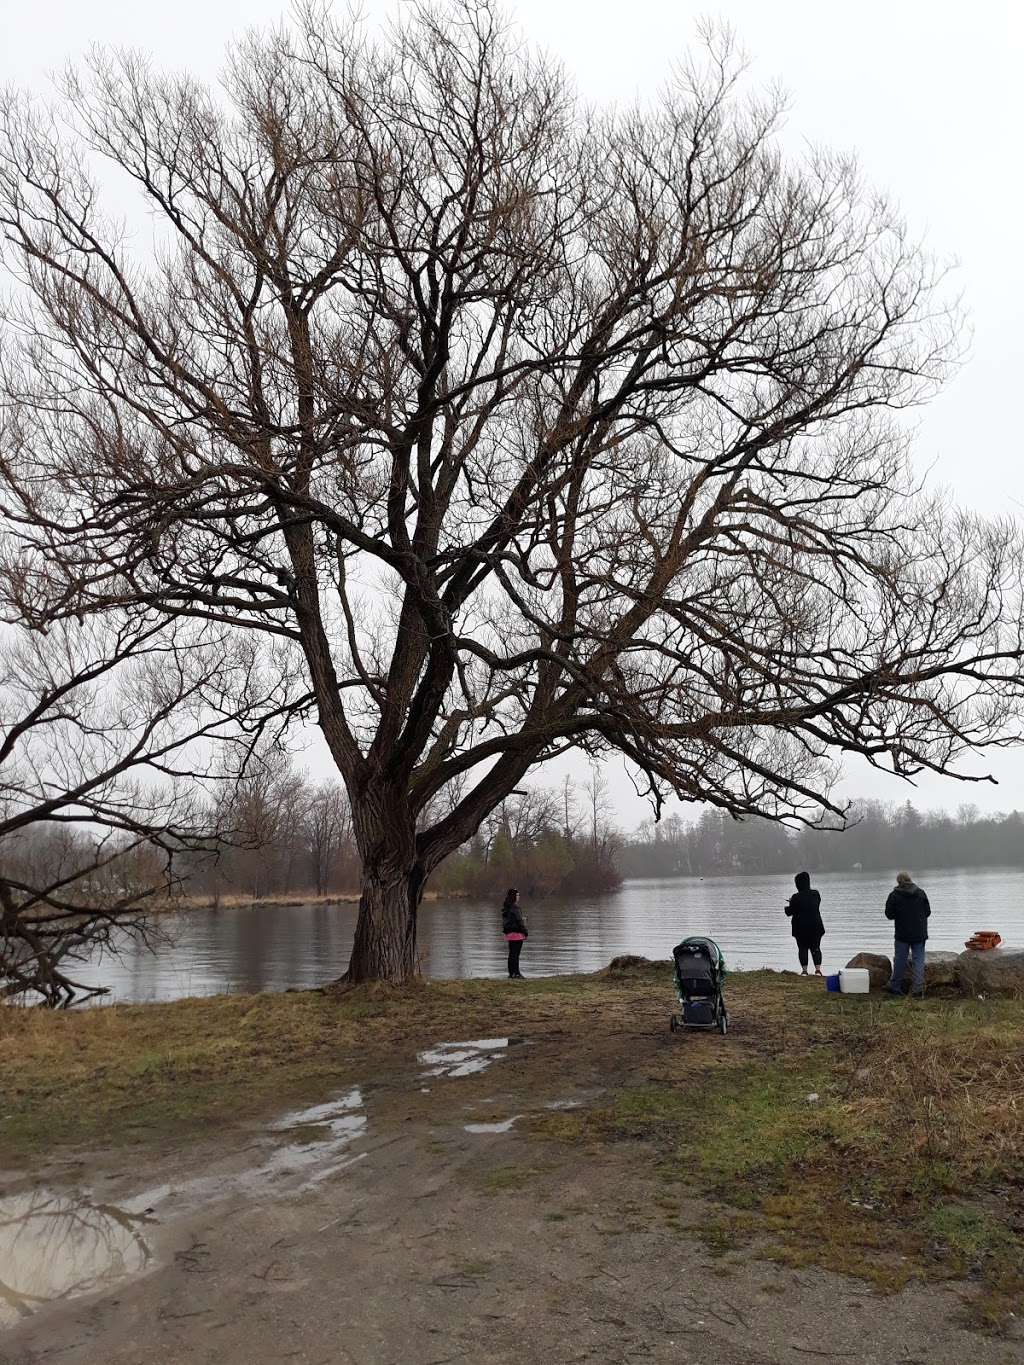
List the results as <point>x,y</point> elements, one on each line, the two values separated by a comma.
<point>55,1246</point>
<point>462,1059</point>
<point>505,1126</point>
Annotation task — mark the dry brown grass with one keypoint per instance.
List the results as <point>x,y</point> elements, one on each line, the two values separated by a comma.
<point>241,901</point>
<point>116,1072</point>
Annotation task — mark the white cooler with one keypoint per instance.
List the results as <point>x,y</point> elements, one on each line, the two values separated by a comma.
<point>854,980</point>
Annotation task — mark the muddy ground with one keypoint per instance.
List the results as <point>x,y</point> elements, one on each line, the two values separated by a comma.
<point>418,1211</point>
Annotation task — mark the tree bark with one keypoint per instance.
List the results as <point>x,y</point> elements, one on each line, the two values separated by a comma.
<point>393,875</point>
<point>384,948</point>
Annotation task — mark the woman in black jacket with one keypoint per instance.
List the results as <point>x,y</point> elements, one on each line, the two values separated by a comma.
<point>805,911</point>
<point>513,926</point>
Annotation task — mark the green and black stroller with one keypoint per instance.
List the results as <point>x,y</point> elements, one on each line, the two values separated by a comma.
<point>699,973</point>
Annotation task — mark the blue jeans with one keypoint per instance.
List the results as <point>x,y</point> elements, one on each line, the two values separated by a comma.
<point>899,965</point>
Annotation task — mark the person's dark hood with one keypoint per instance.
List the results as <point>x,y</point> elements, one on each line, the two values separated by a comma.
<point>908,889</point>
<point>803,881</point>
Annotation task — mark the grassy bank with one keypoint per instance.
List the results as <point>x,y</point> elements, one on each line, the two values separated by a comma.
<point>114,1074</point>
<point>909,1163</point>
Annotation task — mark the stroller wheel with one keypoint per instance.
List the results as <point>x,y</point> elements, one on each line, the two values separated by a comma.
<point>673,1023</point>
<point>723,1023</point>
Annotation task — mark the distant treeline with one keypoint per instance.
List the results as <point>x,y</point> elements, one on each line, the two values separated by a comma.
<point>539,840</point>
<point>878,837</point>
<point>283,834</point>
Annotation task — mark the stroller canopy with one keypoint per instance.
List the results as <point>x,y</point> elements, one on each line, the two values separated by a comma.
<point>699,947</point>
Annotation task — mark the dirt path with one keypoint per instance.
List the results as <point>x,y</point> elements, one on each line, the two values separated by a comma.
<point>377,1229</point>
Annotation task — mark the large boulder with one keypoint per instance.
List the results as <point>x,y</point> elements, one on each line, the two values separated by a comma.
<point>997,971</point>
<point>939,969</point>
<point>879,968</point>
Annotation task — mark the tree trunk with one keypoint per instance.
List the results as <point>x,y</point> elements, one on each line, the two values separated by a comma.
<point>392,886</point>
<point>385,943</point>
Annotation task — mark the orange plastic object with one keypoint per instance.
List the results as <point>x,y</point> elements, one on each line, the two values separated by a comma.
<point>983,939</point>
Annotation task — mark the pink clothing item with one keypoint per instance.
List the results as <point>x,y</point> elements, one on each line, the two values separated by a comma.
<point>514,938</point>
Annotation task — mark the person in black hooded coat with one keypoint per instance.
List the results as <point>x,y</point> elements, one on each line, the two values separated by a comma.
<point>804,909</point>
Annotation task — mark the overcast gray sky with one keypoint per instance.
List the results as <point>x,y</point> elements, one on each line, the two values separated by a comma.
<point>929,95</point>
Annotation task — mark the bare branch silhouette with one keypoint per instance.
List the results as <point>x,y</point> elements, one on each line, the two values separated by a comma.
<point>108,733</point>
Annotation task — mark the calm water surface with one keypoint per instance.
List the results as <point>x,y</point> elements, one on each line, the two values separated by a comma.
<point>271,948</point>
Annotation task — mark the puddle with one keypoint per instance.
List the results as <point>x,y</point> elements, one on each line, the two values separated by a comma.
<point>56,1246</point>
<point>335,1114</point>
<point>463,1059</point>
<point>309,1144</point>
<point>320,1137</point>
<point>299,1149</point>
<point>564,1104</point>
<point>505,1126</point>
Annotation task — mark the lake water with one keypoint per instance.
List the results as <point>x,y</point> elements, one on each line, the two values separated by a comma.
<point>271,948</point>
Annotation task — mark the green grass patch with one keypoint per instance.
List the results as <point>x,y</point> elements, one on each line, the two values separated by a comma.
<point>503,1178</point>
<point>968,1234</point>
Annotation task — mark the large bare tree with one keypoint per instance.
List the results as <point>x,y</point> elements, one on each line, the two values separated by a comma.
<point>524,426</point>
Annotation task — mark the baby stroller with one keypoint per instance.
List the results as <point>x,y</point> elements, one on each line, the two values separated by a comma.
<point>700,971</point>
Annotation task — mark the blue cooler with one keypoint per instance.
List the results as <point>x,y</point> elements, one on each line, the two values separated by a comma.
<point>832,982</point>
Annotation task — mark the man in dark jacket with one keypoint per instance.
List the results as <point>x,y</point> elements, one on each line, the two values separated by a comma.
<point>908,908</point>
